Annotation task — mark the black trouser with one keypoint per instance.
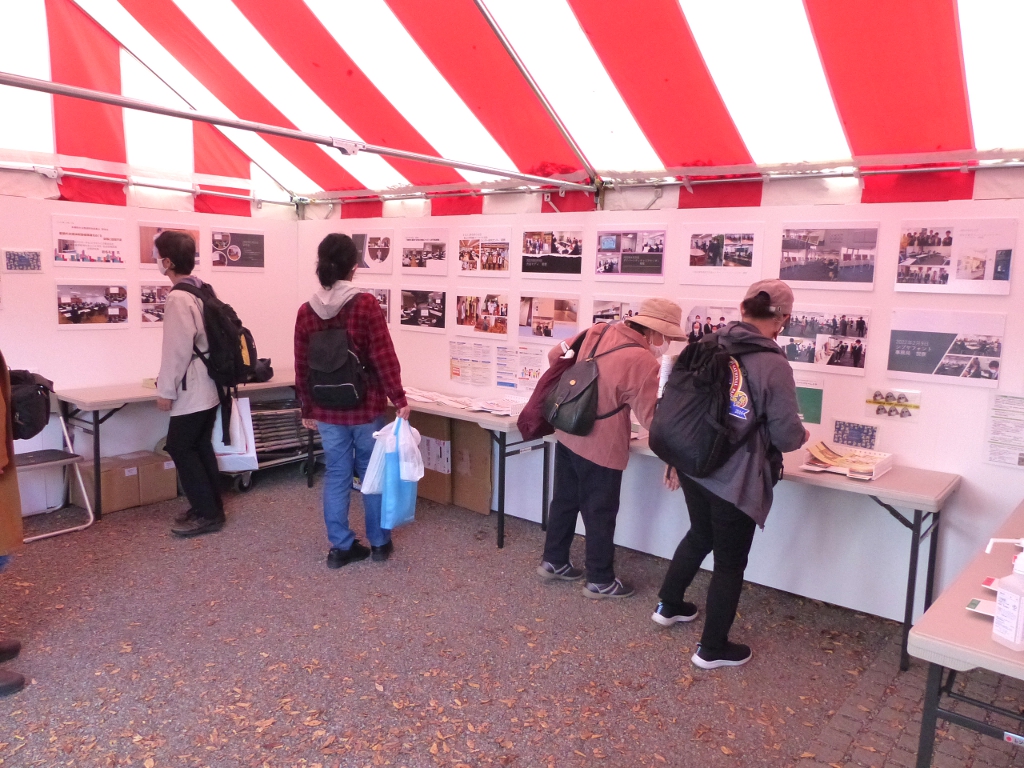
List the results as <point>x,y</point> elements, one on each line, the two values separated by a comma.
<point>583,487</point>
<point>718,526</point>
<point>189,444</point>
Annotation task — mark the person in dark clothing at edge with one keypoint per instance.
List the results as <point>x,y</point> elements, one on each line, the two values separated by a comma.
<point>726,507</point>
<point>347,435</point>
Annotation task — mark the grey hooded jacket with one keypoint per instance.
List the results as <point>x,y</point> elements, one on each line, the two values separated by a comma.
<point>745,479</point>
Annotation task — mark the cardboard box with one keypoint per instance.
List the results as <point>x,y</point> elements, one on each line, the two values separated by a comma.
<point>436,440</point>
<point>158,478</point>
<point>120,484</point>
<point>471,467</point>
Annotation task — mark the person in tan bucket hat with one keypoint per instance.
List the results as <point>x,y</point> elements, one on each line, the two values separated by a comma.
<point>588,468</point>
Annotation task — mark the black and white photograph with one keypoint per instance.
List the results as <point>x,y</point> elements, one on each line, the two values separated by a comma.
<point>553,253</point>
<point>630,254</point>
<point>383,297</point>
<point>425,251</point>
<point>947,256</point>
<point>484,252</point>
<point>153,298</point>
<point>424,310</point>
<point>544,318</point>
<point>830,257</point>
<point>100,305</point>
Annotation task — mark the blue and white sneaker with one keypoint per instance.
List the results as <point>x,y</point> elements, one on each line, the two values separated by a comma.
<point>566,572</point>
<point>615,588</point>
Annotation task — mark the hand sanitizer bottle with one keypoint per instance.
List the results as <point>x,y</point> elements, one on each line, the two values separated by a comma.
<point>1008,627</point>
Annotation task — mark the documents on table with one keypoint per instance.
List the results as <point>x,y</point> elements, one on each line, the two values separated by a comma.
<point>1006,431</point>
<point>505,406</point>
<point>856,463</point>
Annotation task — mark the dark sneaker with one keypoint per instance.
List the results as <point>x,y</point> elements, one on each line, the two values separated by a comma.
<point>667,615</point>
<point>382,553</point>
<point>336,558</point>
<point>197,526</point>
<point>732,655</point>
<point>567,572</point>
<point>9,649</point>
<point>185,517</point>
<point>614,589</point>
<point>10,682</point>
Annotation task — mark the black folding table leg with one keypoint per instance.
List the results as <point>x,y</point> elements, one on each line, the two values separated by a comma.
<point>97,504</point>
<point>502,441</point>
<point>926,741</point>
<point>933,548</point>
<point>908,614</point>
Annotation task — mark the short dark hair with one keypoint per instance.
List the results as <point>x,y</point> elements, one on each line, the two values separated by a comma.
<point>180,248</point>
<point>337,257</point>
<point>759,307</point>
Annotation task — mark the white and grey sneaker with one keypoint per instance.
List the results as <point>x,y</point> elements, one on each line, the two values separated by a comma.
<point>613,589</point>
<point>566,572</point>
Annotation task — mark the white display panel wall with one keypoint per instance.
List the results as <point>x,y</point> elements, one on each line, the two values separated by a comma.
<point>835,547</point>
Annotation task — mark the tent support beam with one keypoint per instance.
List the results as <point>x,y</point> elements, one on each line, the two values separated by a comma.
<point>345,146</point>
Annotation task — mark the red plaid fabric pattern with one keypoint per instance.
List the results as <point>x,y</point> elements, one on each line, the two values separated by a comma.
<point>368,337</point>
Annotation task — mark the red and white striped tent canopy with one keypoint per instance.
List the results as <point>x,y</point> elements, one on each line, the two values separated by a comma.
<point>618,92</point>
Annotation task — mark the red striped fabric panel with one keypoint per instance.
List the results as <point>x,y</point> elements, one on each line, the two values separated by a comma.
<point>364,209</point>
<point>165,21</point>
<point>456,206</point>
<point>573,201</point>
<point>734,194</point>
<point>85,55</point>
<point>216,155</point>
<point>457,39</point>
<point>654,62</point>
<point>918,187</point>
<point>315,56</point>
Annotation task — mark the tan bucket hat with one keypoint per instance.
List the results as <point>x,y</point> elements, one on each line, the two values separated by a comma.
<point>660,315</point>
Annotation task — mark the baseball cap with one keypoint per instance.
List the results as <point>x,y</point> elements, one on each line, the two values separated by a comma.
<point>780,295</point>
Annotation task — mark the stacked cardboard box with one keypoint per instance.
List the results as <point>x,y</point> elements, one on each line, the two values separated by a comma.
<point>142,477</point>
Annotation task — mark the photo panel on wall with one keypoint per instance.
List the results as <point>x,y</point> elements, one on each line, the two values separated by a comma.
<point>950,256</point>
<point>425,252</point>
<point>548,318</point>
<point>553,253</point>
<point>148,233</point>
<point>153,298</point>
<point>608,310</point>
<point>91,305</point>
<point>723,254</point>
<point>86,241</point>
<point>23,261</point>
<point>827,339</point>
<point>631,255</point>
<point>376,256</point>
<point>485,252</point>
<point>702,317</point>
<point>893,404</point>
<point>238,250</point>
<point>946,347</point>
<point>423,310</point>
<point>383,297</point>
<point>830,256</point>
<point>483,314</point>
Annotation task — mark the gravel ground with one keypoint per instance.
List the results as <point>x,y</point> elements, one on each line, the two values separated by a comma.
<point>242,649</point>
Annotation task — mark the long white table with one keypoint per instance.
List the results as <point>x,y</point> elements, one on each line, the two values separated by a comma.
<point>923,490</point>
<point>952,639</point>
<point>104,401</point>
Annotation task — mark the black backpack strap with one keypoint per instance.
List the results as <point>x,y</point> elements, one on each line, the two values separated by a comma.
<point>602,354</point>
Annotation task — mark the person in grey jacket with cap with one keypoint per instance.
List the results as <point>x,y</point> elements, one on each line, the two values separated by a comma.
<point>726,507</point>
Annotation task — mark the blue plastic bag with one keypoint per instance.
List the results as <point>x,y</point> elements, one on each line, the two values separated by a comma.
<point>398,497</point>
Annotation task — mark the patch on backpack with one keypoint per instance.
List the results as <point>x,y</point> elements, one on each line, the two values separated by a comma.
<point>738,400</point>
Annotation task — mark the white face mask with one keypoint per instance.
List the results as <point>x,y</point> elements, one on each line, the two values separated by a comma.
<point>661,349</point>
<point>161,267</point>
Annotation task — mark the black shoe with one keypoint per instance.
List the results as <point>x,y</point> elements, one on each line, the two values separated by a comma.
<point>382,553</point>
<point>10,682</point>
<point>9,649</point>
<point>567,572</point>
<point>667,615</point>
<point>613,589</point>
<point>197,526</point>
<point>336,558</point>
<point>731,655</point>
<point>186,517</point>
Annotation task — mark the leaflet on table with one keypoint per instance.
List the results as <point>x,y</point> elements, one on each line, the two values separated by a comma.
<point>1006,431</point>
<point>470,362</point>
<point>852,462</point>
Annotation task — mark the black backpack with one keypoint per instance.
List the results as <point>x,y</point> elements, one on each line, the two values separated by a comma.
<point>30,403</point>
<point>231,358</point>
<point>691,426</point>
<point>337,377</point>
<point>571,406</point>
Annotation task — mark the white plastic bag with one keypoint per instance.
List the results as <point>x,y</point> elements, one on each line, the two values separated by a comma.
<point>236,428</point>
<point>406,442</point>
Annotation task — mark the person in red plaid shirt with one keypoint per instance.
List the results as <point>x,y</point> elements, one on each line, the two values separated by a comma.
<point>347,435</point>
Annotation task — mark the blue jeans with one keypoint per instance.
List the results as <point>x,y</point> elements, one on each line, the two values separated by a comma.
<point>348,449</point>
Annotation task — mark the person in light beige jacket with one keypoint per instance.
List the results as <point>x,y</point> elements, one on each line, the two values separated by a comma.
<point>588,468</point>
<point>10,518</point>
